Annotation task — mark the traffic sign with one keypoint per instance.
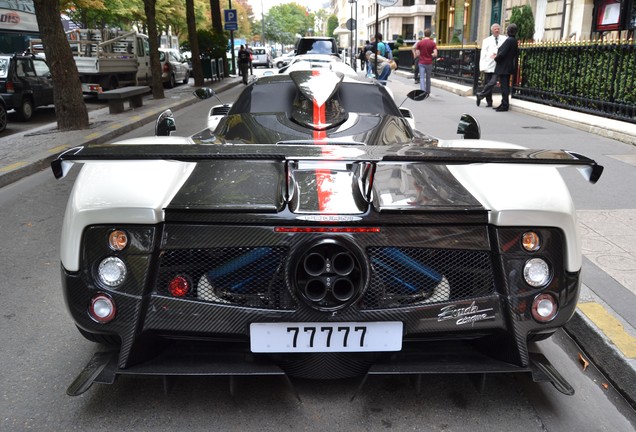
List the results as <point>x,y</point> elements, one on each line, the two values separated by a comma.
<point>231,19</point>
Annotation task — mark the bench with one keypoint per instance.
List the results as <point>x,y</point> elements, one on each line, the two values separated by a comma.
<point>117,97</point>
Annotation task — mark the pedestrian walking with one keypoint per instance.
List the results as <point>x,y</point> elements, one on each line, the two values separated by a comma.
<point>249,50</point>
<point>243,62</point>
<point>489,48</point>
<point>426,51</point>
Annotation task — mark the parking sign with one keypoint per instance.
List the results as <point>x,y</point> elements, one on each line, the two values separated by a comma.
<point>231,19</point>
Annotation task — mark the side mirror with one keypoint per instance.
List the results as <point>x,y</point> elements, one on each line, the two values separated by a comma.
<point>468,127</point>
<point>417,95</point>
<point>165,124</point>
<point>204,93</point>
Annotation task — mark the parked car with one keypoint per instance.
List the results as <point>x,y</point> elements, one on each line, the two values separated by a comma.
<point>317,45</point>
<point>261,57</point>
<point>284,59</point>
<point>25,83</point>
<point>3,114</point>
<point>174,67</point>
<point>306,234</point>
<point>315,50</point>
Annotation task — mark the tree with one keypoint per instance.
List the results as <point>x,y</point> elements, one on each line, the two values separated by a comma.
<point>153,38</point>
<point>194,44</point>
<point>523,18</point>
<point>332,25</point>
<point>70,109</point>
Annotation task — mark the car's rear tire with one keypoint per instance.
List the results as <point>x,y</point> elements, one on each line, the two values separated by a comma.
<point>25,111</point>
<point>171,81</point>
<point>100,338</point>
<point>3,118</point>
<point>280,64</point>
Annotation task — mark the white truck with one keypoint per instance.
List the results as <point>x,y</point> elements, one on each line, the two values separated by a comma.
<point>108,59</point>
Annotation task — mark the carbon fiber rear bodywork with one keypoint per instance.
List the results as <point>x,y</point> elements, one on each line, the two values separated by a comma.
<point>468,297</point>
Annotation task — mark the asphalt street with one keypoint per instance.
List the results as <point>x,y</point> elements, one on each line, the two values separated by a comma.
<point>605,322</point>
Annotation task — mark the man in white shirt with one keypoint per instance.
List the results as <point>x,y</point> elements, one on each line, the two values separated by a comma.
<point>489,47</point>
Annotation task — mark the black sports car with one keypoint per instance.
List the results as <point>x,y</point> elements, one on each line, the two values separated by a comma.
<point>313,232</point>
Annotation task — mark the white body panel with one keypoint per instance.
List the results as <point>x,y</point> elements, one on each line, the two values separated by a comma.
<point>521,195</point>
<point>134,192</point>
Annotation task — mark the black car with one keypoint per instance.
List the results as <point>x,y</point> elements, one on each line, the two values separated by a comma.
<point>25,83</point>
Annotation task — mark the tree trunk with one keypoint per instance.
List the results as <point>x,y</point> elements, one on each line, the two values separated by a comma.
<point>153,38</point>
<point>70,109</point>
<point>215,11</point>
<point>197,69</point>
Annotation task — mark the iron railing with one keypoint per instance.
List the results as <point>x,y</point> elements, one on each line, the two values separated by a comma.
<point>597,78</point>
<point>593,77</point>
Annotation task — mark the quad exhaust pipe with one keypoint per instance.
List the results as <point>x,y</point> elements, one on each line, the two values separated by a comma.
<point>330,275</point>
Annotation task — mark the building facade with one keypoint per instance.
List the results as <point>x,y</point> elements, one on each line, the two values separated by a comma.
<point>467,22</point>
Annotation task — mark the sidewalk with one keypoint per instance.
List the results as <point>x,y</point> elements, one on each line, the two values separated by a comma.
<point>26,153</point>
<point>605,321</point>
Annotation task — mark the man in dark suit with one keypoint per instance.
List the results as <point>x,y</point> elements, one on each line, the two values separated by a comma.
<point>506,59</point>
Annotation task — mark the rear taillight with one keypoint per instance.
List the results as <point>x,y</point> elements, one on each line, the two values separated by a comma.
<point>179,286</point>
<point>9,87</point>
<point>166,68</point>
<point>102,308</point>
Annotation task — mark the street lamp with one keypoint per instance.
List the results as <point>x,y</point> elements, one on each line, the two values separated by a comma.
<point>353,26</point>
<point>263,22</point>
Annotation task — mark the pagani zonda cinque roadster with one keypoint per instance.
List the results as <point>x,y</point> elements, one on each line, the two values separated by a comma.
<point>312,232</point>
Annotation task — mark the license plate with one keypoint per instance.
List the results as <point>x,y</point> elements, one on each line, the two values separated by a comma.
<point>326,337</point>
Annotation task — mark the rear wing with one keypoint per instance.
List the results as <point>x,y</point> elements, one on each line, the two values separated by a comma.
<point>354,153</point>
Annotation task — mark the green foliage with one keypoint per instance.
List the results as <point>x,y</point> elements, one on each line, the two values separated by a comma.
<point>455,40</point>
<point>399,41</point>
<point>212,44</point>
<point>585,76</point>
<point>332,25</point>
<point>286,21</point>
<point>523,18</point>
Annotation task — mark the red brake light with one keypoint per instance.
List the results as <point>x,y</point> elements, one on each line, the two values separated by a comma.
<point>10,88</point>
<point>179,286</point>
<point>166,68</point>
<point>327,229</point>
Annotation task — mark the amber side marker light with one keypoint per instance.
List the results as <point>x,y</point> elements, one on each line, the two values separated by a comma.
<point>118,240</point>
<point>531,241</point>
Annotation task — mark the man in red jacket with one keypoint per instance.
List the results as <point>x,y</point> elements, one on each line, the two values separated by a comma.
<point>426,50</point>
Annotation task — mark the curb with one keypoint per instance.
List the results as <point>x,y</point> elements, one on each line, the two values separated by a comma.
<point>620,371</point>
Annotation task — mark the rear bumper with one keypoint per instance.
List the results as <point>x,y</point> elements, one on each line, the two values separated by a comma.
<point>187,359</point>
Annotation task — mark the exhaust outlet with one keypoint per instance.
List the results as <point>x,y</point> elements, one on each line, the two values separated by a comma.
<point>315,290</point>
<point>342,290</point>
<point>343,263</point>
<point>314,264</point>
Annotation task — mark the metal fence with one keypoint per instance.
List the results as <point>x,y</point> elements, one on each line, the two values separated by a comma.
<point>456,64</point>
<point>593,77</point>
